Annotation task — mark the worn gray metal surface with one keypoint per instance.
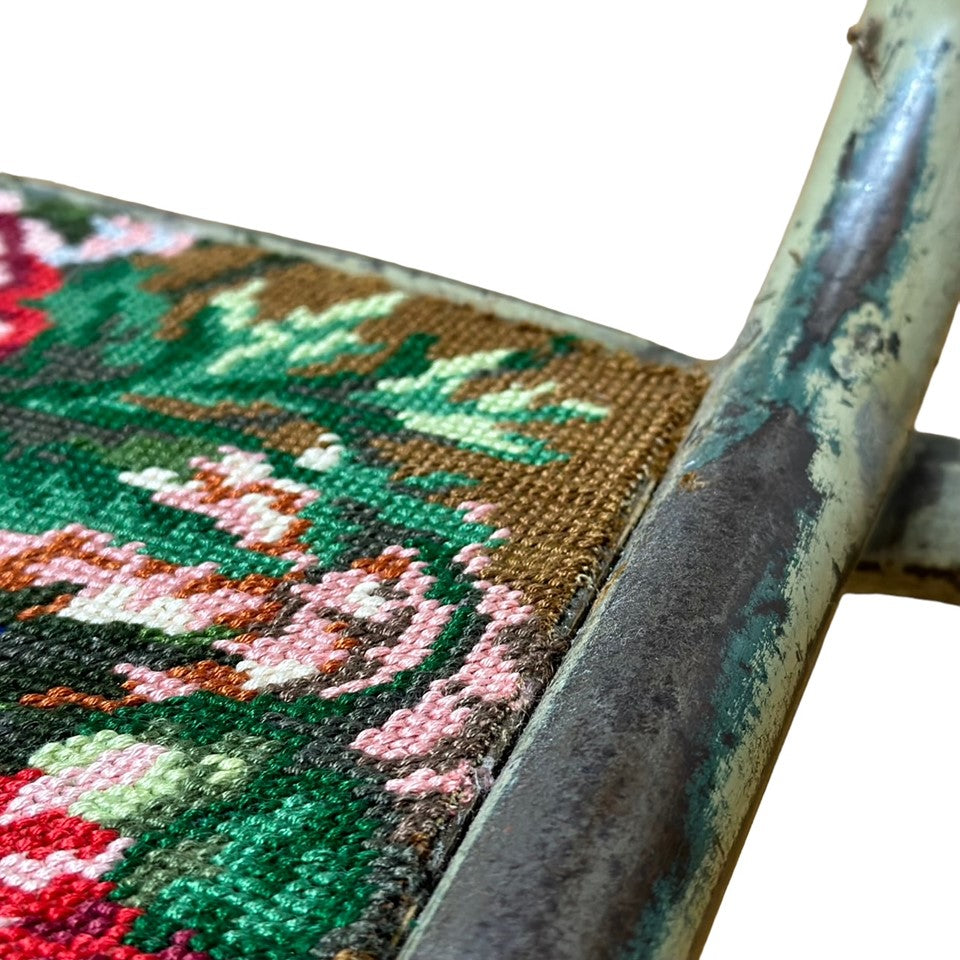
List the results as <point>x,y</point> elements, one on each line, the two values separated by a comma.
<point>612,829</point>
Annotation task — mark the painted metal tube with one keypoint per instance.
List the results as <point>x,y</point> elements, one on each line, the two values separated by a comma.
<point>914,550</point>
<point>611,830</point>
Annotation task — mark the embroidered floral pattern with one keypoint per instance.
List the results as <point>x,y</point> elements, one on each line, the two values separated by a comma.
<point>286,555</point>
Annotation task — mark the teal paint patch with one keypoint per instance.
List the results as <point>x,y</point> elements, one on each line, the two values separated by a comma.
<point>826,287</point>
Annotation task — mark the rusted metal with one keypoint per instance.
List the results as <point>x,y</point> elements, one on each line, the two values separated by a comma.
<point>613,827</point>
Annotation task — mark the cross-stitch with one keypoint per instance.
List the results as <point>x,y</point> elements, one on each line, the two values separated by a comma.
<point>286,556</point>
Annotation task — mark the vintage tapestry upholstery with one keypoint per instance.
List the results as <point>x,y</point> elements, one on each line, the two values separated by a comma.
<point>286,555</point>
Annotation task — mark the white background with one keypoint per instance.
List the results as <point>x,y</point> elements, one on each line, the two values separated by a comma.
<point>633,164</point>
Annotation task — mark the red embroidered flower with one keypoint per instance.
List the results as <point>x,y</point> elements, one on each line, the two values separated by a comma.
<point>23,277</point>
<point>53,902</point>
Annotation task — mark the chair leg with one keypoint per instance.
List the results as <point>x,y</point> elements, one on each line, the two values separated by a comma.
<point>914,550</point>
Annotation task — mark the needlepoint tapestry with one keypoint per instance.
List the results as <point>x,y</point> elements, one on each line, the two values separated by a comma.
<point>287,553</point>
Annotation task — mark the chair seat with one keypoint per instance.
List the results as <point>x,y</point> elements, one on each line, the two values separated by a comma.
<point>290,547</point>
